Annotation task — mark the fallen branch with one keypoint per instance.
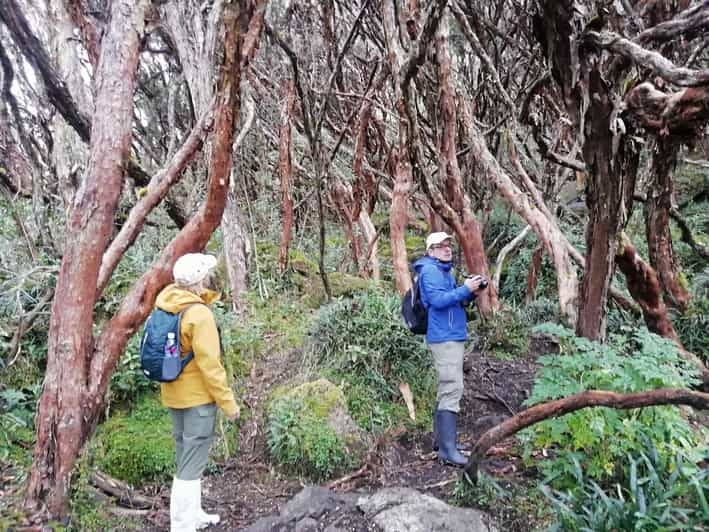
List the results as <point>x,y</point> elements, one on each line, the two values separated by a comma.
<point>126,496</point>
<point>554,409</point>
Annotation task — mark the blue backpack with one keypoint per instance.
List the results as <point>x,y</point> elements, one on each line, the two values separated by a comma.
<point>413,311</point>
<point>160,357</point>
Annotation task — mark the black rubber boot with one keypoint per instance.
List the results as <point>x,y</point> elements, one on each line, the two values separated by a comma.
<point>458,445</point>
<point>446,423</point>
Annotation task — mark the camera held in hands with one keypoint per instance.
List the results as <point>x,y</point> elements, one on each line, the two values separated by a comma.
<point>483,281</point>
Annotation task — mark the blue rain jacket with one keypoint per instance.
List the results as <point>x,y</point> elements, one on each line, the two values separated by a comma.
<point>443,300</point>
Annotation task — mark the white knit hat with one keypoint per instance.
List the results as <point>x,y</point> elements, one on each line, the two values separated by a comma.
<point>437,238</point>
<point>192,268</point>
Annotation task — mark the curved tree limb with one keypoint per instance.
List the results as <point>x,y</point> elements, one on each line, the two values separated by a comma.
<point>509,248</point>
<point>685,77</point>
<point>157,189</point>
<point>685,24</point>
<point>566,405</point>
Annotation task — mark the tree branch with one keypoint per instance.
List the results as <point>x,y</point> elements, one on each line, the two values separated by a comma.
<point>157,189</point>
<point>687,23</point>
<point>684,77</point>
<point>592,398</point>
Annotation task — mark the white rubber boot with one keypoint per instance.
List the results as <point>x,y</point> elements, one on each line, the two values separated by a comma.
<point>184,505</point>
<point>203,518</point>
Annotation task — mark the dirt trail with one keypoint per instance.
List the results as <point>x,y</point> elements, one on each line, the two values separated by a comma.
<point>248,487</point>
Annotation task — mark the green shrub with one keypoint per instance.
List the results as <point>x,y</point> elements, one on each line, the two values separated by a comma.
<point>128,381</point>
<point>17,422</point>
<point>601,437</point>
<point>362,342</point>
<point>504,333</point>
<point>656,493</point>
<point>137,446</point>
<point>542,310</point>
<point>693,326</point>
<point>300,436</point>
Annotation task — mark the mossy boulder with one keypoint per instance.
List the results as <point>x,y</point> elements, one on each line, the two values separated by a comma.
<point>341,285</point>
<point>136,446</point>
<point>311,432</point>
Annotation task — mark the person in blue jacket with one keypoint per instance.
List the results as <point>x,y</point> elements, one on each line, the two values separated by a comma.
<point>446,336</point>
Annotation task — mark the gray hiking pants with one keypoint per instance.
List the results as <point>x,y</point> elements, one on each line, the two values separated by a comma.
<point>193,430</point>
<point>448,359</point>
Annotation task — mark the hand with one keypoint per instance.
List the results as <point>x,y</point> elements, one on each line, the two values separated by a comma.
<point>475,283</point>
<point>235,415</point>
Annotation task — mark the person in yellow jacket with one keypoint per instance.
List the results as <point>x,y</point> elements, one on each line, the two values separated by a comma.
<point>201,388</point>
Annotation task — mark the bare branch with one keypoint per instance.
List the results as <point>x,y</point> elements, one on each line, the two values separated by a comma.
<point>687,23</point>
<point>157,189</point>
<point>684,77</point>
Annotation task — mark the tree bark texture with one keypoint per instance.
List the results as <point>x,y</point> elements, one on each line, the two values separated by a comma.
<point>399,212</point>
<point>535,267</point>
<point>285,168</point>
<point>546,229</point>
<point>62,424</point>
<point>644,286</point>
<point>591,398</point>
<point>470,238</point>
<point>657,222</point>
<point>612,164</point>
<point>79,367</point>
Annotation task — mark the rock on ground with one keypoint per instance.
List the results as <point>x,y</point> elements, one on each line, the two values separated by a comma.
<point>387,510</point>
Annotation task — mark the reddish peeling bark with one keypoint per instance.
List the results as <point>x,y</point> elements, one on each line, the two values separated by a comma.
<point>610,159</point>
<point>399,216</point>
<point>77,11</point>
<point>79,368</point>
<point>467,228</point>
<point>546,228</point>
<point>344,200</point>
<point>591,398</point>
<point>62,426</point>
<point>404,67</point>
<point>612,169</point>
<point>681,113</point>
<point>157,190</point>
<point>535,267</point>
<point>365,192</point>
<point>657,222</point>
<point>644,286</point>
<point>286,170</point>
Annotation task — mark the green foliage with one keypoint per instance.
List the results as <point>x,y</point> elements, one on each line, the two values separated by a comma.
<point>17,422</point>
<point>693,326</point>
<point>601,437</point>
<point>542,310</point>
<point>504,334</point>
<point>363,342</point>
<point>299,435</point>
<point>514,506</point>
<point>658,492</point>
<point>86,511</point>
<point>137,446</point>
<point>128,381</point>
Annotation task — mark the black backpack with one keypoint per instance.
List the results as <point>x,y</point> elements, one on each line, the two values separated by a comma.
<point>159,361</point>
<point>413,311</point>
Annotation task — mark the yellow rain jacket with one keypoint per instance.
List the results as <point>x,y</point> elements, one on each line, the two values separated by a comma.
<point>203,380</point>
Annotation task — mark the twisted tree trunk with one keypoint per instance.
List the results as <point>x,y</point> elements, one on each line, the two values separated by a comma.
<point>657,222</point>
<point>79,366</point>
<point>62,423</point>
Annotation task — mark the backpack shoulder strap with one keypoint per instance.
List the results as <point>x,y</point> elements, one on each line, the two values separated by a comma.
<point>189,356</point>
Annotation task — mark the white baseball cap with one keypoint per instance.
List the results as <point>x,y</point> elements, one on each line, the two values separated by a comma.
<point>436,238</point>
<point>191,268</point>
